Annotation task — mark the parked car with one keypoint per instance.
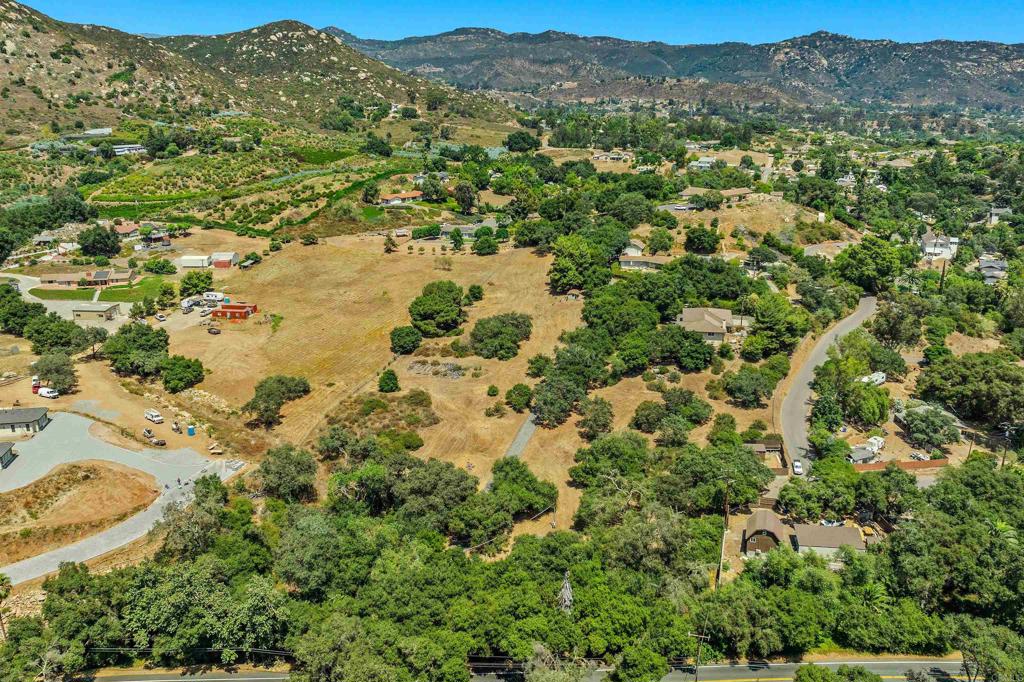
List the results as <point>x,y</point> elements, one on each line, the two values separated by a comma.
<point>148,433</point>
<point>204,312</point>
<point>153,416</point>
<point>158,442</point>
<point>213,330</point>
<point>186,311</point>
<point>160,317</point>
<point>919,457</point>
<point>798,468</point>
<point>47,392</point>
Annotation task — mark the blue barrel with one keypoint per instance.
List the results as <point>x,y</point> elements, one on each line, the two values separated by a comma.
<point>227,300</point>
<point>191,429</point>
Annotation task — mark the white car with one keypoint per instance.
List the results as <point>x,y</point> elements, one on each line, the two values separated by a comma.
<point>798,468</point>
<point>204,312</point>
<point>160,317</point>
<point>153,416</point>
<point>46,392</point>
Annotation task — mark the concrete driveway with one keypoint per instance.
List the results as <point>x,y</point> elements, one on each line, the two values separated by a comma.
<point>67,439</point>
<point>797,403</point>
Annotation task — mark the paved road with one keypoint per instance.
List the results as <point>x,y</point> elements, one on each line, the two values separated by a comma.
<point>894,669</point>
<point>796,403</point>
<point>523,436</point>
<point>67,439</point>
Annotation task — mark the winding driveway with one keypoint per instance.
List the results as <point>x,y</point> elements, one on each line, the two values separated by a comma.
<point>797,402</point>
<point>67,439</point>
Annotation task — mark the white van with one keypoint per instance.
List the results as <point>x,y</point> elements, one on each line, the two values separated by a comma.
<point>47,392</point>
<point>153,416</point>
<point>213,296</point>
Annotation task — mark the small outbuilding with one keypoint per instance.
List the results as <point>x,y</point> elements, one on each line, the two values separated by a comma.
<point>24,419</point>
<point>196,261</point>
<point>224,259</point>
<point>96,312</point>
<point>234,311</point>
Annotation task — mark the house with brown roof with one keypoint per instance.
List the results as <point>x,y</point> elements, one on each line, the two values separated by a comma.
<point>764,532</point>
<point>399,198</point>
<point>826,540</point>
<point>127,230</point>
<point>98,278</point>
<point>714,324</point>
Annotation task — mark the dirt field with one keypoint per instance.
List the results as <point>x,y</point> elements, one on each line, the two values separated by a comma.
<point>758,214</point>
<point>339,301</point>
<point>73,502</point>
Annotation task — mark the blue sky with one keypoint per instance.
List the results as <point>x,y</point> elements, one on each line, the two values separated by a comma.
<point>673,21</point>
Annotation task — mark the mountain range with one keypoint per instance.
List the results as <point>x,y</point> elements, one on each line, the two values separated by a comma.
<point>63,72</point>
<point>818,68</point>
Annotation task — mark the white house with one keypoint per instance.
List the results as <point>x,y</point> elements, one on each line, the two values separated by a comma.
<point>939,245</point>
<point>702,164</point>
<point>995,214</point>
<point>993,269</point>
<point>634,248</point>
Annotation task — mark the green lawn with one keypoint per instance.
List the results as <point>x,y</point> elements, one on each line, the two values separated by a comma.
<point>62,294</point>
<point>147,286</point>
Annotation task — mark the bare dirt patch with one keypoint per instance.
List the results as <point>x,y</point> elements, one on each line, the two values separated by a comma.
<point>72,502</point>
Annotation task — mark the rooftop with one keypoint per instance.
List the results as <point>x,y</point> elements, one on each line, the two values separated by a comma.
<point>813,535</point>
<point>21,415</point>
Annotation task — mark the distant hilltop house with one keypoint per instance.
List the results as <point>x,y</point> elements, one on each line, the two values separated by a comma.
<point>123,149</point>
<point>127,230</point>
<point>765,531</point>
<point>993,269</point>
<point>467,231</point>
<point>702,164</point>
<point>99,278</point>
<point>420,178</point>
<point>644,262</point>
<point>734,193</point>
<point>715,325</point>
<point>995,214</point>
<point>399,198</point>
<point>939,245</point>
<point>614,155</point>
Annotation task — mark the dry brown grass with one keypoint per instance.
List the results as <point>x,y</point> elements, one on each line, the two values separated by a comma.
<point>72,502</point>
<point>340,300</point>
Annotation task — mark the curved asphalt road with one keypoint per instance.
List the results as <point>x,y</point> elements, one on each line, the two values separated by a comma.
<point>67,439</point>
<point>939,670</point>
<point>796,404</point>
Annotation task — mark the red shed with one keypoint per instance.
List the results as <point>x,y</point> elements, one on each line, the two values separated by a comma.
<point>234,311</point>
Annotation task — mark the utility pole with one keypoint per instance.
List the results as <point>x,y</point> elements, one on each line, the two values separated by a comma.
<point>701,638</point>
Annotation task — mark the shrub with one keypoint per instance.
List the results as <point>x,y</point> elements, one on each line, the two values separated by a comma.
<point>180,373</point>
<point>499,336</point>
<point>519,397</point>
<point>388,382</point>
<point>405,340</point>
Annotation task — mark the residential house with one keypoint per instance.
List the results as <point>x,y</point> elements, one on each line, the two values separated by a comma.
<point>467,231</point>
<point>847,181</point>
<point>862,454</point>
<point>127,149</point>
<point>420,178</point>
<point>702,164</point>
<point>96,312</point>
<point>44,240</point>
<point>99,278</point>
<point>939,245</point>
<point>127,230</point>
<point>614,155</point>
<point>235,311</point>
<point>713,324</point>
<point>993,269</point>
<point>644,262</point>
<point>224,259</point>
<point>634,248</point>
<point>769,446</point>
<point>24,419</point>
<point>826,540</point>
<point>399,198</point>
<point>764,532</point>
<point>7,454</point>
<point>995,214</point>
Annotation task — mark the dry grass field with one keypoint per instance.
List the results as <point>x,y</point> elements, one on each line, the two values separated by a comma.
<point>338,302</point>
<point>72,502</point>
<point>757,214</point>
